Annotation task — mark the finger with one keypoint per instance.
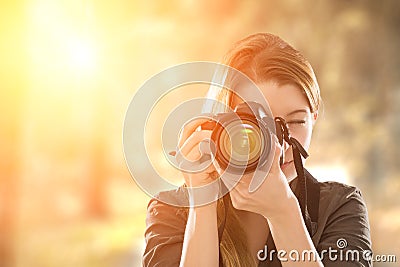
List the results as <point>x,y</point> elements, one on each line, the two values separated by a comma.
<point>277,155</point>
<point>246,178</point>
<point>189,128</point>
<point>198,152</point>
<point>259,177</point>
<point>211,170</point>
<point>194,154</point>
<point>229,179</point>
<point>193,141</point>
<point>197,159</point>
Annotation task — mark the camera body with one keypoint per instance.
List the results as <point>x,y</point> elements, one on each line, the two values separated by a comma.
<point>242,140</point>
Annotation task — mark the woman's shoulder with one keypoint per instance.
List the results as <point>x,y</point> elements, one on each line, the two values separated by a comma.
<point>333,194</point>
<point>339,198</point>
<point>174,197</point>
<point>333,190</point>
<point>169,204</point>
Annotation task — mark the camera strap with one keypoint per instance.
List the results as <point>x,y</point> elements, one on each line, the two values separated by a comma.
<point>302,194</point>
<point>310,216</point>
<point>313,192</point>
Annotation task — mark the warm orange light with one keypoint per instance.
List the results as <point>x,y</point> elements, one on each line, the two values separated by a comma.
<point>81,54</point>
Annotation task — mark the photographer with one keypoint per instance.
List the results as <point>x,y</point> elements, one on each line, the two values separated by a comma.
<point>276,215</point>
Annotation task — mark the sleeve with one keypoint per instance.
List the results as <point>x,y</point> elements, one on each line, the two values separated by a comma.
<point>165,228</point>
<point>347,231</point>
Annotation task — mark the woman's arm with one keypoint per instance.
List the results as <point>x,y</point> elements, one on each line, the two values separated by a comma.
<point>199,234</point>
<point>200,245</point>
<point>291,237</point>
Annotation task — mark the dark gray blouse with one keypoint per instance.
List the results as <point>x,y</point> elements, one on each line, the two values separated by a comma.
<point>343,230</point>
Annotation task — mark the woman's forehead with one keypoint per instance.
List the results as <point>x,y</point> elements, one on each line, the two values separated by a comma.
<point>282,99</point>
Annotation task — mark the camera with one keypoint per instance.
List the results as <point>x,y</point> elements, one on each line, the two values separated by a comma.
<point>242,140</point>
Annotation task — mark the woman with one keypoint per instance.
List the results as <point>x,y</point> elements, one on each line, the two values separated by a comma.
<point>272,217</point>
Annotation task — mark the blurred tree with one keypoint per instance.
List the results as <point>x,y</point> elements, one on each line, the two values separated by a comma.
<point>99,161</point>
<point>13,84</point>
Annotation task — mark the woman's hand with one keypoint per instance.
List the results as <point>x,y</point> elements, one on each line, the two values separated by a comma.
<point>273,198</point>
<point>189,148</point>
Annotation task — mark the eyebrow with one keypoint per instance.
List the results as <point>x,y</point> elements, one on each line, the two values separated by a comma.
<point>297,111</point>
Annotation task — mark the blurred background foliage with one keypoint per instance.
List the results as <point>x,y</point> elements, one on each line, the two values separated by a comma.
<point>69,69</point>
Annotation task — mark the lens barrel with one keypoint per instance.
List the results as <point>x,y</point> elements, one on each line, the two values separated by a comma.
<point>242,138</point>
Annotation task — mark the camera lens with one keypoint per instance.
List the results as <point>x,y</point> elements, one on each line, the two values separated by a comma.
<point>241,143</point>
<point>242,140</point>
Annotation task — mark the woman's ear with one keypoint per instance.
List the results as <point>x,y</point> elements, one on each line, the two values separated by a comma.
<point>314,117</point>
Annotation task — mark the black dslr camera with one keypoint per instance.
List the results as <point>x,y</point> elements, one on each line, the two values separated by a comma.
<point>243,140</point>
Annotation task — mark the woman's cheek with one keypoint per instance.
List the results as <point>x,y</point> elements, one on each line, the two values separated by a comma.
<point>303,135</point>
<point>307,136</point>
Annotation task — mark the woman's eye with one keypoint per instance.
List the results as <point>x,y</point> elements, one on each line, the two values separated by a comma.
<point>300,122</point>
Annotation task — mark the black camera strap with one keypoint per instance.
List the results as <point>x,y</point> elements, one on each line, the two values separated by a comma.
<point>298,152</point>
<point>313,196</point>
<point>309,207</point>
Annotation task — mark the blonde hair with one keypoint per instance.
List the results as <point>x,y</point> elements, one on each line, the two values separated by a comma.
<point>262,57</point>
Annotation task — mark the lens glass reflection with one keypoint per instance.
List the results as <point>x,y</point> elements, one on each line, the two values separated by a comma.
<point>241,143</point>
